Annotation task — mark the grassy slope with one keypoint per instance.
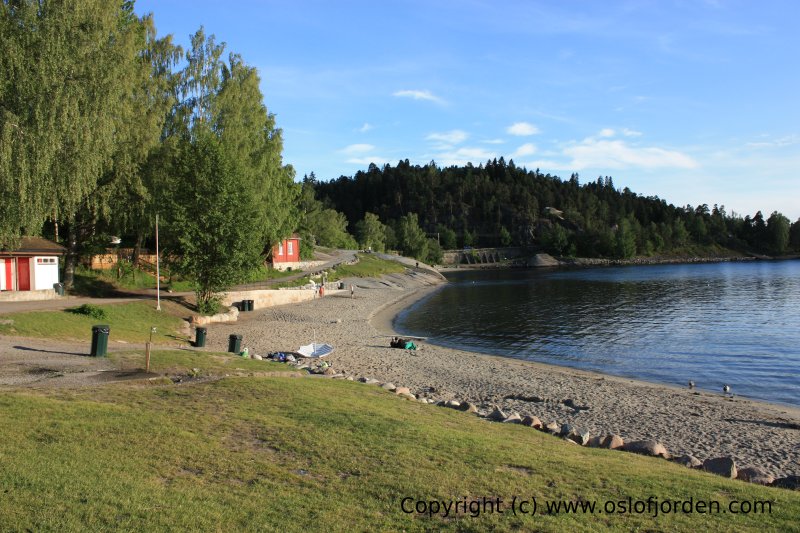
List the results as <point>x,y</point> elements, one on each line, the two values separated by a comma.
<point>283,454</point>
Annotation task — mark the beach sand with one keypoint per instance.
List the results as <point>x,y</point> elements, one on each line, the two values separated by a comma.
<point>700,423</point>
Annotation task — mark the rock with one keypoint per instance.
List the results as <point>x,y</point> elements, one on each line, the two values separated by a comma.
<point>369,381</point>
<point>579,437</point>
<point>566,429</point>
<point>595,442</point>
<point>570,441</point>
<point>689,461</point>
<point>257,357</point>
<point>453,404</point>
<point>721,466</point>
<point>407,396</point>
<point>647,447</point>
<point>532,422</point>
<point>350,378</point>
<point>402,390</point>
<point>755,475</point>
<point>553,427</point>
<point>329,372</point>
<point>469,407</point>
<point>788,482</point>
<point>497,415</point>
<point>389,386</point>
<point>513,418</point>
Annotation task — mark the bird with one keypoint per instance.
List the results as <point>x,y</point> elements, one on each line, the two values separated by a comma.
<point>726,389</point>
<point>691,384</point>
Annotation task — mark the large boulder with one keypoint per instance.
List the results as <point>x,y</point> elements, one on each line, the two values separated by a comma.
<point>647,447</point>
<point>513,418</point>
<point>689,461</point>
<point>497,415</point>
<point>612,442</point>
<point>755,475</point>
<point>788,482</point>
<point>532,421</point>
<point>721,466</point>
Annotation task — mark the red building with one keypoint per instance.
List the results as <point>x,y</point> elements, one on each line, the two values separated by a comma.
<point>31,268</point>
<point>286,254</point>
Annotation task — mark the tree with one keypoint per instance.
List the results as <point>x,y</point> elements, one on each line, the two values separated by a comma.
<point>505,236</point>
<point>227,165</point>
<point>67,73</point>
<point>411,239</point>
<point>213,218</point>
<point>777,233</point>
<point>794,236</point>
<point>625,241</point>
<point>371,232</point>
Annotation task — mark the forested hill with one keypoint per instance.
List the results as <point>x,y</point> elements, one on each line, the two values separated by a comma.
<point>501,204</point>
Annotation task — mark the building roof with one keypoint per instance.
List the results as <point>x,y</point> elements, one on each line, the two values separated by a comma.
<point>35,246</point>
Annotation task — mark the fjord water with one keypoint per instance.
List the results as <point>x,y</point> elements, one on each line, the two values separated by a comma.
<point>716,323</point>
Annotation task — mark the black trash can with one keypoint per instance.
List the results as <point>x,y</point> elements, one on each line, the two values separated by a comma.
<point>235,343</point>
<point>200,337</point>
<point>243,306</point>
<point>59,288</point>
<point>249,304</point>
<point>100,340</point>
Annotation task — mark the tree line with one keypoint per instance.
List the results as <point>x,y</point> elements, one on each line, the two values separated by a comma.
<point>500,204</point>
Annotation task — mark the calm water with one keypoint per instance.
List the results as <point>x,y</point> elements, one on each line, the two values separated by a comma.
<point>735,323</point>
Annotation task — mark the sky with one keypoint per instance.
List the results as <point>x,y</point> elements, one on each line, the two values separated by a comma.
<point>693,101</point>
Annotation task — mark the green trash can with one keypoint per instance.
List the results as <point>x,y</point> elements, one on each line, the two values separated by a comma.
<point>243,306</point>
<point>235,343</point>
<point>249,304</point>
<point>59,288</point>
<point>200,337</point>
<point>100,340</point>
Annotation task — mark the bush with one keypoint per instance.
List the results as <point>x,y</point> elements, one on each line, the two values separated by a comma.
<point>210,306</point>
<point>98,313</point>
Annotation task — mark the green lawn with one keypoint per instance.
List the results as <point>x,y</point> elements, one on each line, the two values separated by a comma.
<point>196,363</point>
<point>130,322</point>
<point>306,454</point>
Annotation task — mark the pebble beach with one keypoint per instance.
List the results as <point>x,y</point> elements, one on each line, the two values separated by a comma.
<point>686,421</point>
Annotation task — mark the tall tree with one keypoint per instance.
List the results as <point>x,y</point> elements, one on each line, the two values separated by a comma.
<point>65,72</point>
<point>223,128</point>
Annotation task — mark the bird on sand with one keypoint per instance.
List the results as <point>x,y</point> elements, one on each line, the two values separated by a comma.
<point>691,384</point>
<point>726,389</point>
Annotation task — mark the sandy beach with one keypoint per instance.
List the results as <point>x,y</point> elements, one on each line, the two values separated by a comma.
<point>700,423</point>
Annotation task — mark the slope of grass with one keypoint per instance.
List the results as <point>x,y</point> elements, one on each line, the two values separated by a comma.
<point>130,322</point>
<point>279,454</point>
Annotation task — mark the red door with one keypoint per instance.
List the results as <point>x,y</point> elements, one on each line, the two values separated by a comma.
<point>9,274</point>
<point>24,273</point>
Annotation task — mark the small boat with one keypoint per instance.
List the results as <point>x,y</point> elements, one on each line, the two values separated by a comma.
<point>315,350</point>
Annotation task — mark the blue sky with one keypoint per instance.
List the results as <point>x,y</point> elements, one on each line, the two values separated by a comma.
<point>693,101</point>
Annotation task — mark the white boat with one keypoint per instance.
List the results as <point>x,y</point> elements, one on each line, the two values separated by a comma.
<point>315,350</point>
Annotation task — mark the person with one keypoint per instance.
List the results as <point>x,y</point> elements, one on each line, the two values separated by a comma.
<point>352,290</point>
<point>321,291</point>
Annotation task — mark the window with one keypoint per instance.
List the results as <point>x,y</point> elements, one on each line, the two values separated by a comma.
<point>280,248</point>
<point>289,247</point>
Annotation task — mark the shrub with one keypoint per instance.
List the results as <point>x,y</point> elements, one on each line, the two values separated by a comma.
<point>98,313</point>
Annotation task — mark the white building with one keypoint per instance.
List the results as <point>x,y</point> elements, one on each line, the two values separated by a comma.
<point>31,270</point>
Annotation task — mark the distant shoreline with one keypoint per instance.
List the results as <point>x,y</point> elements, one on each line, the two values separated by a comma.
<point>588,262</point>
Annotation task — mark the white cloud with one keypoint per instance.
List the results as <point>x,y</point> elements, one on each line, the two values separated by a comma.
<point>358,149</point>
<point>781,142</point>
<point>494,141</point>
<point>419,95</point>
<point>525,150</point>
<point>450,137</point>
<point>380,161</point>
<point>365,128</point>
<point>606,132</point>
<point>607,154</point>
<point>465,155</point>
<point>522,129</point>
<point>631,133</point>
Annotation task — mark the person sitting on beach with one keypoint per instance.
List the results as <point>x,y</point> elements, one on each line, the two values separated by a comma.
<point>397,342</point>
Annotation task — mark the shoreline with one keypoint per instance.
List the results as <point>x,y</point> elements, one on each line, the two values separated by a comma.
<point>688,422</point>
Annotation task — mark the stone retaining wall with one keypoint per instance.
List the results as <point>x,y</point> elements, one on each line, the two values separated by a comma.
<point>28,296</point>
<point>272,297</point>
